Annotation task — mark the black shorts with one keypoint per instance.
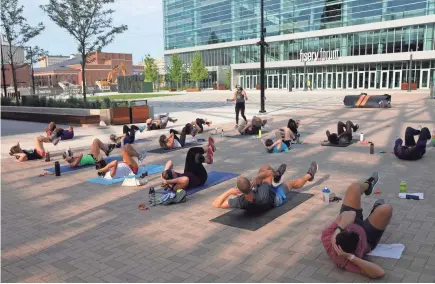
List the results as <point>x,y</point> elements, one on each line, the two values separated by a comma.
<point>373,235</point>
<point>287,142</point>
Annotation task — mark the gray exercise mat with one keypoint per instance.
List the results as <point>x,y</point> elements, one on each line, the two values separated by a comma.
<point>327,143</point>
<point>253,221</point>
<point>163,151</point>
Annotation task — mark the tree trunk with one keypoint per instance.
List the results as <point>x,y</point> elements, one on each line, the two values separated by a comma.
<point>83,76</point>
<point>14,73</point>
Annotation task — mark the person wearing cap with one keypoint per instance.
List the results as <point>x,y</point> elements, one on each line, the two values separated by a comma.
<point>240,97</point>
<point>92,158</point>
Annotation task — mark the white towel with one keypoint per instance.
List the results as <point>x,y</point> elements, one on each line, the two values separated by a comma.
<point>419,194</point>
<point>388,250</point>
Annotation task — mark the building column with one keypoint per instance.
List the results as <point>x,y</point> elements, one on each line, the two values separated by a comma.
<point>195,22</point>
<point>429,33</point>
<point>384,10</point>
<point>343,40</point>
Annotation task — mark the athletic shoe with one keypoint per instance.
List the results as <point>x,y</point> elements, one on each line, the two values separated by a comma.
<point>356,127</point>
<point>142,128</point>
<point>376,204</point>
<point>101,174</point>
<point>312,170</point>
<point>372,181</point>
<point>279,173</point>
<point>211,143</point>
<point>142,156</point>
<point>55,141</point>
<point>328,134</point>
<point>210,155</point>
<point>208,123</point>
<point>110,149</point>
<point>47,157</point>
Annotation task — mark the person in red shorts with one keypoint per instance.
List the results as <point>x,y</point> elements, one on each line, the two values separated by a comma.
<point>349,238</point>
<point>37,153</point>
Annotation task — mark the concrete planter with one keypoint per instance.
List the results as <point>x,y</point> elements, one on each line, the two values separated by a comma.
<point>404,86</point>
<point>139,114</point>
<point>193,90</point>
<point>120,115</point>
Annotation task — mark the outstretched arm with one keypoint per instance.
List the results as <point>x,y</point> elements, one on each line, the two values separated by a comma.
<point>233,99</point>
<point>222,200</point>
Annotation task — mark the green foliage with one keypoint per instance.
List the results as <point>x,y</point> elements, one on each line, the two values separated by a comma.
<point>176,70</point>
<point>6,101</point>
<point>198,72</point>
<point>228,79</point>
<point>89,22</point>
<point>71,102</point>
<point>151,69</point>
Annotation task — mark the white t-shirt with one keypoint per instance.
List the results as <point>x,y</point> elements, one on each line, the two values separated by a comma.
<point>177,144</point>
<point>122,171</point>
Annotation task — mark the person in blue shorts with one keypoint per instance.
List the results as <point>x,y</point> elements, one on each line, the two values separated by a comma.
<point>259,194</point>
<point>128,136</point>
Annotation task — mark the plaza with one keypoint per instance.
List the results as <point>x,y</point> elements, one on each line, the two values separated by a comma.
<point>65,229</point>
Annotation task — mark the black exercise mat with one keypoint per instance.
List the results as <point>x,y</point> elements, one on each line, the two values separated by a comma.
<point>163,151</point>
<point>327,143</point>
<point>253,221</point>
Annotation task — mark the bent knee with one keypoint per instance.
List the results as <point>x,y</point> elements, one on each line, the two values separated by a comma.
<point>386,210</point>
<point>355,187</point>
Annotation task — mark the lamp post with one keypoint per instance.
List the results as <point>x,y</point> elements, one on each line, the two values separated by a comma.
<point>262,45</point>
<point>409,72</point>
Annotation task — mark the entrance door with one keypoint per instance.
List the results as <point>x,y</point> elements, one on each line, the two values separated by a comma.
<point>247,82</point>
<point>273,81</point>
<point>242,81</point>
<point>284,81</point>
<point>361,79</point>
<point>385,79</point>
<point>319,81</point>
<point>339,80</point>
<point>424,78</point>
<point>329,80</point>
<point>397,79</point>
<point>301,81</point>
<point>372,79</point>
<point>270,81</point>
<point>254,81</point>
<point>349,80</point>
<point>293,82</point>
<point>310,77</point>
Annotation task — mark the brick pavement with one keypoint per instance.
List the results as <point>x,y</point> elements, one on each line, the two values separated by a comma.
<point>67,230</point>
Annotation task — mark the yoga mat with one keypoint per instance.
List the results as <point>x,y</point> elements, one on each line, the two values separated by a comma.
<point>163,151</point>
<point>253,221</point>
<point>327,143</point>
<point>68,168</point>
<point>213,179</point>
<point>388,250</point>
<point>152,169</point>
<point>141,140</point>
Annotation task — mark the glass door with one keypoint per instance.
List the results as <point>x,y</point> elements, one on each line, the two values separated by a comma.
<point>270,81</point>
<point>301,81</point>
<point>385,79</point>
<point>397,79</point>
<point>284,81</point>
<point>310,77</point>
<point>424,78</point>
<point>242,81</point>
<point>339,80</point>
<point>275,81</point>
<point>254,81</point>
<point>372,79</point>
<point>319,81</point>
<point>349,80</point>
<point>329,80</point>
<point>293,82</point>
<point>361,79</point>
<point>248,82</point>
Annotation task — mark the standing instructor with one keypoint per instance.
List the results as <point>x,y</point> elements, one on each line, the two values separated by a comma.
<point>240,97</point>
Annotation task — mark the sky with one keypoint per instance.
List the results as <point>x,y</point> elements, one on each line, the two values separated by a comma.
<point>144,19</point>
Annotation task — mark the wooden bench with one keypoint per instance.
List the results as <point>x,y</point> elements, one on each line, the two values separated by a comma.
<point>48,117</point>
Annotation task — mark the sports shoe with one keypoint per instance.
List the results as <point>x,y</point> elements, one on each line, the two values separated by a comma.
<point>142,128</point>
<point>47,157</point>
<point>110,149</point>
<point>55,141</point>
<point>208,123</point>
<point>356,127</point>
<point>328,134</point>
<point>279,173</point>
<point>142,156</point>
<point>210,155</point>
<point>211,143</point>
<point>376,204</point>
<point>372,181</point>
<point>312,170</point>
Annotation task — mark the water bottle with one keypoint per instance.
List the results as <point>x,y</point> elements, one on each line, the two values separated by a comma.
<point>326,193</point>
<point>57,168</point>
<point>361,137</point>
<point>402,187</point>
<point>372,148</point>
<point>152,196</point>
<point>259,134</point>
<point>222,133</point>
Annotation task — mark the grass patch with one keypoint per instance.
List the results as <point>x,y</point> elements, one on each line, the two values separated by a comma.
<point>128,96</point>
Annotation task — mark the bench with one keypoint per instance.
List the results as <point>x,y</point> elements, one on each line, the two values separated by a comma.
<point>48,117</point>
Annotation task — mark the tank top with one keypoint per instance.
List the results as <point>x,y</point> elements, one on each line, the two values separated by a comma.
<point>240,98</point>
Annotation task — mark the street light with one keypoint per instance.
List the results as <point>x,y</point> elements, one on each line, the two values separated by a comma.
<point>262,45</point>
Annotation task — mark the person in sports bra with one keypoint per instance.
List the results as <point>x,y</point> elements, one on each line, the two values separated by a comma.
<point>37,153</point>
<point>128,166</point>
<point>88,159</point>
<point>173,141</point>
<point>240,97</point>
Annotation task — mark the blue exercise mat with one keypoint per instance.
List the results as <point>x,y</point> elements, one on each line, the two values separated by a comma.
<point>213,179</point>
<point>68,168</point>
<point>141,140</point>
<point>151,169</point>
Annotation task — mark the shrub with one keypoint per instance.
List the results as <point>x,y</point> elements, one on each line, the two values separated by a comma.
<point>6,101</point>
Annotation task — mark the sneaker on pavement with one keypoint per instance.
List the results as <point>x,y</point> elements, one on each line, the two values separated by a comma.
<point>372,181</point>
<point>376,204</point>
<point>279,173</point>
<point>55,141</point>
<point>142,128</point>
<point>356,127</point>
<point>312,170</point>
<point>328,134</point>
<point>142,156</point>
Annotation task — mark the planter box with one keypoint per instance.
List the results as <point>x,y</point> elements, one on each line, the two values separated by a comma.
<point>139,114</point>
<point>193,90</point>
<point>120,115</point>
<point>404,86</point>
<point>258,87</point>
<point>172,90</point>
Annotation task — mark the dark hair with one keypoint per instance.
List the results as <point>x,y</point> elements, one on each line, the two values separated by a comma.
<point>15,150</point>
<point>162,142</point>
<point>167,174</point>
<point>269,143</point>
<point>244,185</point>
<point>100,164</point>
<point>348,241</point>
<point>293,126</point>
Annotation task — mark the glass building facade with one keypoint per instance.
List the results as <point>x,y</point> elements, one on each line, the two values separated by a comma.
<point>374,40</point>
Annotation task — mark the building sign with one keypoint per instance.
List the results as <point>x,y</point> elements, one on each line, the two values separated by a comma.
<point>320,55</point>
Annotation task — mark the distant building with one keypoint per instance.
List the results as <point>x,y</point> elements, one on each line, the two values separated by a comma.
<point>99,66</point>
<point>138,68</point>
<point>48,60</point>
<point>23,73</point>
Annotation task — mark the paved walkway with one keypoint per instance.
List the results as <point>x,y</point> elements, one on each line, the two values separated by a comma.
<point>67,230</point>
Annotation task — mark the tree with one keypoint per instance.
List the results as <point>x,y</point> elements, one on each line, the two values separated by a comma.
<point>89,22</point>
<point>198,72</point>
<point>176,70</point>
<point>151,70</point>
<point>228,79</point>
<point>32,56</point>
<point>17,33</point>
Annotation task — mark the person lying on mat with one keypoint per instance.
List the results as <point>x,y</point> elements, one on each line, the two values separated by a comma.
<point>198,124</point>
<point>264,196</point>
<point>275,147</point>
<point>252,127</point>
<point>92,158</point>
<point>36,153</point>
<point>344,133</point>
<point>412,151</point>
<point>159,121</point>
<point>290,133</point>
<point>127,137</point>
<point>57,133</point>
<point>194,174</point>
<point>128,166</point>
<point>350,237</point>
<point>173,141</point>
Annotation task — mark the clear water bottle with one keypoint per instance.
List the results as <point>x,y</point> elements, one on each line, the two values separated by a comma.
<point>222,133</point>
<point>361,137</point>
<point>152,196</point>
<point>372,148</point>
<point>326,193</point>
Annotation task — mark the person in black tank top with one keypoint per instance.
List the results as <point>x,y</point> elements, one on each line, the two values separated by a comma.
<point>240,97</point>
